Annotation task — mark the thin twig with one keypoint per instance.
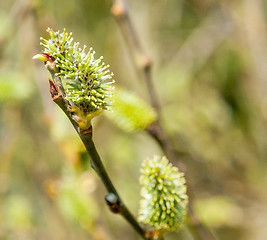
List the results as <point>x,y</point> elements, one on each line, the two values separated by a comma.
<point>97,165</point>
<point>141,61</point>
<point>143,65</point>
<point>100,170</point>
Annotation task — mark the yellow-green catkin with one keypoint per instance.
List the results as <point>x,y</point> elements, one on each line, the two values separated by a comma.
<point>130,112</point>
<point>87,82</point>
<point>164,200</point>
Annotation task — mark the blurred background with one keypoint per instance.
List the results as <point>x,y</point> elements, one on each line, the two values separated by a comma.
<point>209,69</point>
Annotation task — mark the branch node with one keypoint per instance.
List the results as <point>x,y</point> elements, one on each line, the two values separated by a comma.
<point>118,10</point>
<point>86,131</point>
<point>113,203</point>
<point>153,235</point>
<point>147,62</point>
<point>55,94</point>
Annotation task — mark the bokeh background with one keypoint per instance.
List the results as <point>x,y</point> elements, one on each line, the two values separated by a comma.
<point>210,73</point>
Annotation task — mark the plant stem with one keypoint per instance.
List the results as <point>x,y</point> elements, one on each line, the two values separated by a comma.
<point>98,166</point>
<point>96,162</point>
<point>143,64</point>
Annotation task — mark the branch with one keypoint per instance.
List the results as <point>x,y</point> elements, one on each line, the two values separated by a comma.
<point>141,61</point>
<point>113,199</point>
<point>143,64</point>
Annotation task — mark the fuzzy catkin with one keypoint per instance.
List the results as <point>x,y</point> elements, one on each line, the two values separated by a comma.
<point>86,80</point>
<point>130,112</point>
<point>164,199</point>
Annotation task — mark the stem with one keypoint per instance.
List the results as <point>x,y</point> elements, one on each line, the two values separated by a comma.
<point>143,64</point>
<point>96,163</point>
<point>100,170</point>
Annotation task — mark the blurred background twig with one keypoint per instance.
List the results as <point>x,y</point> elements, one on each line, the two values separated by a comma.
<point>143,62</point>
